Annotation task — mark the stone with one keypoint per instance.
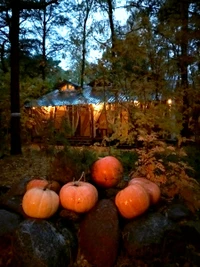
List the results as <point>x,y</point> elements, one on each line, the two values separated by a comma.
<point>178,212</point>
<point>38,243</point>
<point>12,199</point>
<point>99,234</point>
<point>143,236</point>
<point>9,221</point>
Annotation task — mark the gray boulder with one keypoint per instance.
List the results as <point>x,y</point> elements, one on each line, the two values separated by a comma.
<point>99,234</point>
<point>144,236</point>
<point>9,221</point>
<point>38,243</point>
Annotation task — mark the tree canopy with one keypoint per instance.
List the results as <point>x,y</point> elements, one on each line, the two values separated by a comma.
<point>153,54</point>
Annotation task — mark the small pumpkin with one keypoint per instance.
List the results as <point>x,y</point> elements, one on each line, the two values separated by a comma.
<point>78,196</point>
<point>132,201</point>
<point>43,183</point>
<point>36,183</point>
<point>107,172</point>
<point>152,188</point>
<point>40,202</point>
<point>54,185</point>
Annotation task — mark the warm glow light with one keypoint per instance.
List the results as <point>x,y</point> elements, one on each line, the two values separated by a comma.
<point>169,101</point>
<point>98,107</point>
<point>136,103</point>
<point>48,109</point>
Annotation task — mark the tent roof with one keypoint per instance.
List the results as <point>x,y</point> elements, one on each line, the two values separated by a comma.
<point>77,97</point>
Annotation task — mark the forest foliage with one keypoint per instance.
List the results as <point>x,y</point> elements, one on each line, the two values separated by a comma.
<point>152,56</point>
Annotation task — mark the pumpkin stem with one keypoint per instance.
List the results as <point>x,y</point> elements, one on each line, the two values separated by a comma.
<point>82,176</point>
<point>46,186</point>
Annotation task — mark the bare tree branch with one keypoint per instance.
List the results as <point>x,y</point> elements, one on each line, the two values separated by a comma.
<point>27,5</point>
<point>36,5</point>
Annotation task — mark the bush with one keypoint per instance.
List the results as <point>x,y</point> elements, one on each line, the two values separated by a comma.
<point>193,160</point>
<point>128,159</point>
<point>71,162</point>
<point>168,166</point>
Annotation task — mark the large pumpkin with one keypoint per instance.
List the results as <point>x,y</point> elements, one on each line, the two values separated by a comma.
<point>132,201</point>
<point>152,188</point>
<point>40,203</point>
<point>107,172</point>
<point>78,196</point>
<point>43,183</point>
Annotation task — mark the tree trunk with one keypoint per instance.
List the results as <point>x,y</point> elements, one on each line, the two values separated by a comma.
<point>112,26</point>
<point>3,63</point>
<point>87,12</point>
<point>14,85</point>
<point>83,51</point>
<point>184,6</point>
<point>44,57</point>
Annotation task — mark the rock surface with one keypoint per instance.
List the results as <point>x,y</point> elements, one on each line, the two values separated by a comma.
<point>143,236</point>
<point>166,235</point>
<point>37,243</point>
<point>99,235</point>
<point>9,221</point>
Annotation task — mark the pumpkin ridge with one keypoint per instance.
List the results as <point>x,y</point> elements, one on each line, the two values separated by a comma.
<point>40,203</point>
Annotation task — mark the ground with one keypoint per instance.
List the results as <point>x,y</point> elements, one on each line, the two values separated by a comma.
<point>32,163</point>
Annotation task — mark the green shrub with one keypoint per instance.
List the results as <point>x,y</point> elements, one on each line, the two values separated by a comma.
<point>128,159</point>
<point>193,159</point>
<point>70,162</point>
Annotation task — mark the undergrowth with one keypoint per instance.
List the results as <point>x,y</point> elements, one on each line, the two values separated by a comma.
<point>168,166</point>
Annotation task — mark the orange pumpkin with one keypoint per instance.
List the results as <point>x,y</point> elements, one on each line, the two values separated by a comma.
<point>40,203</point>
<point>107,172</point>
<point>54,185</point>
<point>43,183</point>
<point>152,188</point>
<point>36,183</point>
<point>132,201</point>
<point>78,196</point>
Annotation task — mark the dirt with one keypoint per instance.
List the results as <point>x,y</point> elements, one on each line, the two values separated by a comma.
<point>33,162</point>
